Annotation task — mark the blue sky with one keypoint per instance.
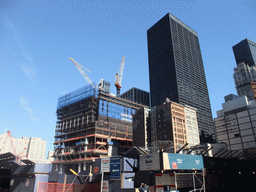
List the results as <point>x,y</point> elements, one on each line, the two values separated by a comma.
<point>37,37</point>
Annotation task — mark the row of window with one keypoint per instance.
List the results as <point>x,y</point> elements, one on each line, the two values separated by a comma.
<point>193,140</point>
<point>246,145</point>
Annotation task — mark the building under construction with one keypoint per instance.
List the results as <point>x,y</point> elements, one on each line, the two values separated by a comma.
<point>91,124</point>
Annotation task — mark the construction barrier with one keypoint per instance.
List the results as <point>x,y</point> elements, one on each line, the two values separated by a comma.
<point>60,187</point>
<point>55,187</point>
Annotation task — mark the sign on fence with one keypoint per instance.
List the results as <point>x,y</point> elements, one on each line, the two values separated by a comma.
<point>105,163</point>
<point>115,167</point>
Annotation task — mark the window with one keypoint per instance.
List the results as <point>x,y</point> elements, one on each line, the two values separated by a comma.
<point>27,182</point>
<point>11,182</point>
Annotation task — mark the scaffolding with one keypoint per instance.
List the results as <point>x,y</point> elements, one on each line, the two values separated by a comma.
<point>92,124</point>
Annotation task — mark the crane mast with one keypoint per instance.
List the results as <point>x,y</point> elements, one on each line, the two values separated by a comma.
<point>12,145</point>
<point>119,78</point>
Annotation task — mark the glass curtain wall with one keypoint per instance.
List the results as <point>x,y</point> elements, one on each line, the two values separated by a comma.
<point>116,111</point>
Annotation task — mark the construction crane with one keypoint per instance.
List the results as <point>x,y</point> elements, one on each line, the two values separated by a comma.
<point>79,68</point>
<point>12,145</point>
<point>1,151</point>
<point>119,78</point>
<point>21,154</point>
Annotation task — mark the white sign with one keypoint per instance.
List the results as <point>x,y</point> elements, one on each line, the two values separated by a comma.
<point>150,162</point>
<point>105,164</point>
<point>160,189</point>
<point>159,179</point>
<point>168,179</point>
<point>164,179</point>
<point>105,186</point>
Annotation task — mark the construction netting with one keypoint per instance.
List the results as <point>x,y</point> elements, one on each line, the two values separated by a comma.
<point>55,187</point>
<point>60,187</point>
<point>77,95</point>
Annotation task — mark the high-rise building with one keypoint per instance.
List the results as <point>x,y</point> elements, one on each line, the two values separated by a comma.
<point>236,125</point>
<point>32,148</point>
<point>230,97</point>
<point>245,51</point>
<point>243,76</point>
<point>37,148</point>
<point>136,95</point>
<point>91,124</point>
<point>141,128</point>
<point>176,68</point>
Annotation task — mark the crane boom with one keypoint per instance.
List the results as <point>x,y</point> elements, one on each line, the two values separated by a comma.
<point>119,78</point>
<point>79,68</point>
<point>121,71</point>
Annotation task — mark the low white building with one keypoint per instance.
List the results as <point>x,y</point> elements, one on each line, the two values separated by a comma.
<point>32,148</point>
<point>191,126</point>
<point>236,125</point>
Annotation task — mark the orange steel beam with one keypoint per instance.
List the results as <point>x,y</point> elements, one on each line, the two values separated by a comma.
<point>75,138</point>
<point>101,143</point>
<point>97,135</point>
<point>117,138</point>
<point>82,159</point>
<point>88,150</point>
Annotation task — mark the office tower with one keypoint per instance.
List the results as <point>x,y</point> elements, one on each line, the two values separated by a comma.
<point>245,51</point>
<point>230,97</point>
<point>91,124</point>
<point>176,68</point>
<point>137,95</point>
<point>141,128</point>
<point>243,76</point>
<point>236,125</point>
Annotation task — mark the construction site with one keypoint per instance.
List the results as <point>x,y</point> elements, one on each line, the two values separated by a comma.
<point>92,123</point>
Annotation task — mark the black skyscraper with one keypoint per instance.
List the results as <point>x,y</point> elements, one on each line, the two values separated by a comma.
<point>245,51</point>
<point>176,68</point>
<point>136,95</point>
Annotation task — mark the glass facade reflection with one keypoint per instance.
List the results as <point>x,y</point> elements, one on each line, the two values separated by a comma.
<point>116,111</point>
<point>136,95</point>
<point>245,51</point>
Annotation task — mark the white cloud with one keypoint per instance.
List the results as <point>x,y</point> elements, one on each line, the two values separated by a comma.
<point>29,68</point>
<point>25,106</point>
<point>29,71</point>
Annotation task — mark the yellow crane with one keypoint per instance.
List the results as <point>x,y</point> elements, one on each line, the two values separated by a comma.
<point>119,78</point>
